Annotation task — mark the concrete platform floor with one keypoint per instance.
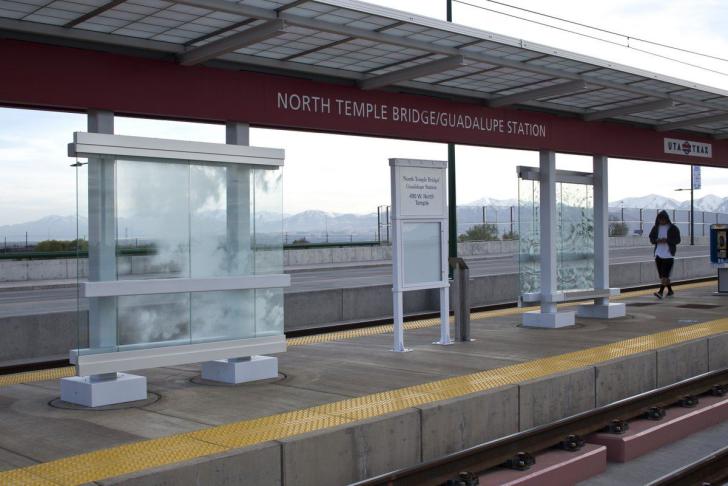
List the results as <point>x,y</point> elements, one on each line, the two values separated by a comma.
<point>34,431</point>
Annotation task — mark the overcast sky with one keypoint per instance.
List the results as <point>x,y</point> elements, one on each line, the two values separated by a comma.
<point>37,180</point>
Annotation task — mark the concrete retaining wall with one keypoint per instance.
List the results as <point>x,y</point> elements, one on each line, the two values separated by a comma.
<point>315,308</point>
<point>57,332</point>
<point>356,451</point>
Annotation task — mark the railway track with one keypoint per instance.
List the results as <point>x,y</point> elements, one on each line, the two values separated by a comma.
<point>461,468</point>
<point>711,470</point>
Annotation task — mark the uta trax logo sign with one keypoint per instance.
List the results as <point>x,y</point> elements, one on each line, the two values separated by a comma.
<point>686,147</point>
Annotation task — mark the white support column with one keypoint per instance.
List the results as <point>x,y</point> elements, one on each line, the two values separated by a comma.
<point>601,309</point>
<point>101,235</point>
<point>601,226</point>
<point>107,388</point>
<point>239,369</point>
<point>549,315</point>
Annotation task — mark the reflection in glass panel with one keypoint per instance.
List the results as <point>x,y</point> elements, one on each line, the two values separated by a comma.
<point>268,312</point>
<point>217,316</point>
<point>211,254</point>
<point>421,244</point>
<point>575,242</point>
<point>152,213</point>
<point>268,221</point>
<point>153,320</point>
<point>529,236</point>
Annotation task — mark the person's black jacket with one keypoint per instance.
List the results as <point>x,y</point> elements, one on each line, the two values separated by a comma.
<point>673,233</point>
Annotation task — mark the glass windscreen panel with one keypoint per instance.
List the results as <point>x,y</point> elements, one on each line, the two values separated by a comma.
<point>574,238</point>
<point>529,236</point>
<point>421,251</point>
<point>575,242</point>
<point>151,219</point>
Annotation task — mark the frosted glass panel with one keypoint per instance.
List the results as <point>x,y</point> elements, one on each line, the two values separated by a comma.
<point>268,222</point>
<point>574,236</point>
<point>153,320</point>
<point>178,219</point>
<point>575,244</point>
<point>152,209</point>
<point>268,312</point>
<point>218,316</point>
<point>220,215</point>
<point>529,234</point>
<point>421,244</point>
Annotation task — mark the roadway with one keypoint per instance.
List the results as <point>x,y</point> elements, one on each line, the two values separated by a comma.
<point>62,298</point>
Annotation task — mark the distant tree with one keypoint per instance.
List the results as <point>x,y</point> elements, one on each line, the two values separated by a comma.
<point>619,228</point>
<point>301,241</point>
<point>61,245</point>
<point>510,235</point>
<point>481,232</point>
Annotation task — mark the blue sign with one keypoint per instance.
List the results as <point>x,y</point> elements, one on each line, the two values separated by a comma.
<point>697,182</point>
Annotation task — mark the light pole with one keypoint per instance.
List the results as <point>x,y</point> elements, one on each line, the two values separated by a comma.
<point>451,189</point>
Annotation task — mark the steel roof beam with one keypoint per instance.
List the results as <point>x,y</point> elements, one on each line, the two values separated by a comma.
<point>414,72</point>
<point>692,122</point>
<point>629,110</point>
<point>232,42</point>
<point>93,13</point>
<point>536,94</point>
<point>374,36</point>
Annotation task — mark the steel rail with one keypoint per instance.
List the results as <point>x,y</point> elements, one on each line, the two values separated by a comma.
<point>712,469</point>
<point>491,454</point>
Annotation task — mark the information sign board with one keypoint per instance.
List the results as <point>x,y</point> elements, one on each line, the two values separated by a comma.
<point>419,243</point>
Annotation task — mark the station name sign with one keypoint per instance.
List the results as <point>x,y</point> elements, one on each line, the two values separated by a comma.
<point>686,147</point>
<point>402,114</point>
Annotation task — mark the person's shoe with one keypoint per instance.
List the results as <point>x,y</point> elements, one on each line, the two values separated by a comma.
<point>670,293</point>
<point>658,295</point>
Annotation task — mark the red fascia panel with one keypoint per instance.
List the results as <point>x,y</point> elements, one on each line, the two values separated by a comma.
<point>62,78</point>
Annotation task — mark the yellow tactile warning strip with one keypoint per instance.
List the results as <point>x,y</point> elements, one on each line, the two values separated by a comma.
<point>57,373</point>
<point>40,375</point>
<point>435,321</point>
<point>147,454</point>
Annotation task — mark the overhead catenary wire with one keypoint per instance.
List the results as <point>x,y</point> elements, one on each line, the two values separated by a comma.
<point>627,38</point>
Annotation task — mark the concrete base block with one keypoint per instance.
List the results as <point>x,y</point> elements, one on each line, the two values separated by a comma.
<point>598,311</point>
<point>681,362</point>
<point>549,319</point>
<point>352,452</point>
<point>453,425</point>
<point>718,352</point>
<point>545,400</point>
<point>91,392</point>
<point>241,370</point>
<point>625,377</point>
<point>258,464</point>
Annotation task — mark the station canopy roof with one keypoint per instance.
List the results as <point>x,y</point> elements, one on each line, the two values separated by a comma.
<point>377,48</point>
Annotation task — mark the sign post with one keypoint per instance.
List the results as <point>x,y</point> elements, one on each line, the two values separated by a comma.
<point>419,241</point>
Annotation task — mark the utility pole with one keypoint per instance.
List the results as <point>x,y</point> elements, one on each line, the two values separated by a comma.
<point>451,190</point>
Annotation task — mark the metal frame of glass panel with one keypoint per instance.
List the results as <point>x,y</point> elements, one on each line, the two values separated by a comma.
<point>214,271</point>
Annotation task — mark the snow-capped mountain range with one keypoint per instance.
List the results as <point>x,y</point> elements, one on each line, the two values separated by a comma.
<point>318,222</point>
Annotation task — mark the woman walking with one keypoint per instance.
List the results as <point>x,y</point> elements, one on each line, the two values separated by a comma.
<point>665,236</point>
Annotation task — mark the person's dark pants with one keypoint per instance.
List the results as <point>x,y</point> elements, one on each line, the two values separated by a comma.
<point>664,269</point>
